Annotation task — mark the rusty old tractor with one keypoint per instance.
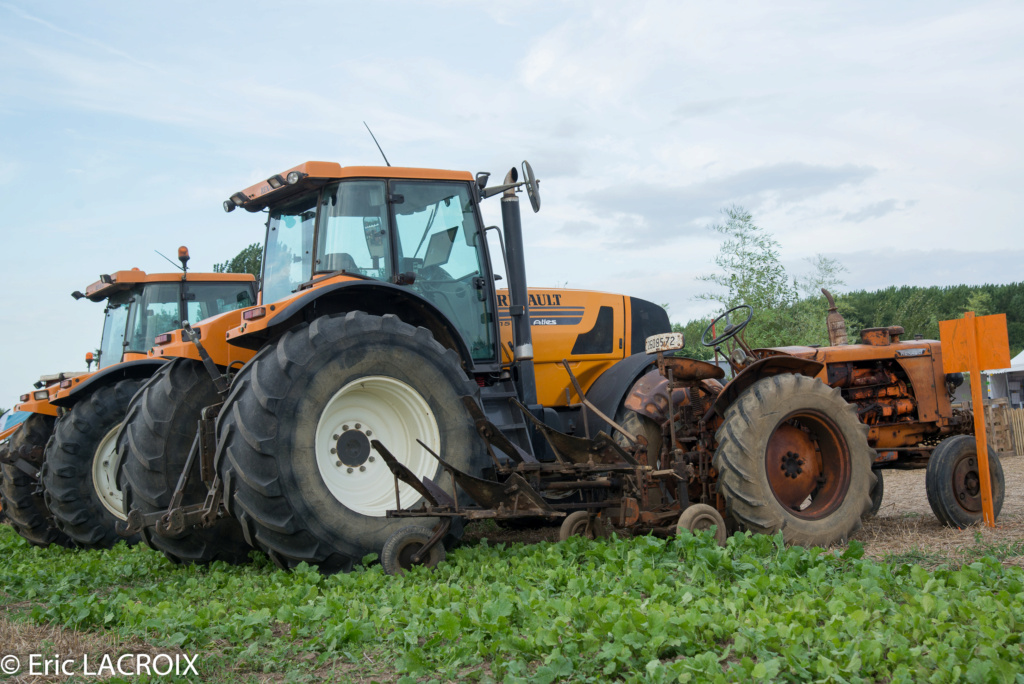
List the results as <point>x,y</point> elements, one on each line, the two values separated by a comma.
<point>793,443</point>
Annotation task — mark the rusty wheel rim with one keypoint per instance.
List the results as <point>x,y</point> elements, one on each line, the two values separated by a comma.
<point>808,464</point>
<point>967,483</point>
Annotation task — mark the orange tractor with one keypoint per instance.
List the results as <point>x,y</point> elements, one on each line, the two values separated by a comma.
<point>379,311</point>
<point>60,470</point>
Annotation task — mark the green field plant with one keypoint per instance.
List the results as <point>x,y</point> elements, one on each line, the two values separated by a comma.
<point>641,609</point>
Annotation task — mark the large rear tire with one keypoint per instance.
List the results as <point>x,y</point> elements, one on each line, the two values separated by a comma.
<point>154,446</point>
<point>21,493</point>
<point>80,473</point>
<point>953,482</point>
<point>793,457</point>
<point>293,436</point>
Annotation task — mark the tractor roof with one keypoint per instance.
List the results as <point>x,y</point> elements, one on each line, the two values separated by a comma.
<point>118,281</point>
<point>316,173</point>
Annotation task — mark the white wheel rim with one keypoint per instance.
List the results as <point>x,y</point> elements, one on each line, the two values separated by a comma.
<point>104,475</point>
<point>382,408</point>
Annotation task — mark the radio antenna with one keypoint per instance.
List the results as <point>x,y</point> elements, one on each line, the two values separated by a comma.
<point>168,258</point>
<point>377,144</point>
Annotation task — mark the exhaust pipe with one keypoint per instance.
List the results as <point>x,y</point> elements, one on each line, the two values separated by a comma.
<point>519,303</point>
<point>835,322</point>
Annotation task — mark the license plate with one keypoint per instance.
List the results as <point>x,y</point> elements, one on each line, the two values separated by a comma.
<point>664,342</point>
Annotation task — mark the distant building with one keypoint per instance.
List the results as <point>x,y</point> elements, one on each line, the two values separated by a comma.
<point>1008,382</point>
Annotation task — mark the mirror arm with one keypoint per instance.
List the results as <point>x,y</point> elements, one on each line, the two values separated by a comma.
<point>498,189</point>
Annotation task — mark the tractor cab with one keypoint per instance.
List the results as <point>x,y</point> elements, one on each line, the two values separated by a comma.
<point>414,228</point>
<point>140,306</point>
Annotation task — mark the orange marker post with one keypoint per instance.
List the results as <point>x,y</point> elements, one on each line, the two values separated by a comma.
<point>970,344</point>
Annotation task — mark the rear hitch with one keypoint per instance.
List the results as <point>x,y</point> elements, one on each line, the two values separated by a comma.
<point>178,518</point>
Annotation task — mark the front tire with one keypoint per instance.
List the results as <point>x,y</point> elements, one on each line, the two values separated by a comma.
<point>154,444</point>
<point>793,457</point>
<point>700,518</point>
<point>877,494</point>
<point>293,436</point>
<point>953,482</point>
<point>81,469</point>
<point>21,493</point>
<point>402,546</point>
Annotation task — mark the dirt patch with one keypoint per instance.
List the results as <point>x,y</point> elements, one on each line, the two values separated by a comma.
<point>905,521</point>
<point>22,639</point>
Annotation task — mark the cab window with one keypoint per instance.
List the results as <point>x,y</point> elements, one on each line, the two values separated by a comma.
<point>211,299</point>
<point>439,240</point>
<point>156,310</point>
<point>352,235</point>
<point>288,260</point>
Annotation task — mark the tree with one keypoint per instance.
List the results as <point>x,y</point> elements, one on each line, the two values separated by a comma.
<point>980,302</point>
<point>749,268</point>
<point>692,332</point>
<point>751,272</point>
<point>827,274</point>
<point>249,260</point>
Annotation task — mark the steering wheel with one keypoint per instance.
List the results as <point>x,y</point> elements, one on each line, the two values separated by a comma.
<point>730,330</point>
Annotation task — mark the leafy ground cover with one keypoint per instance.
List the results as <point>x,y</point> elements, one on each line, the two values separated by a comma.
<point>641,609</point>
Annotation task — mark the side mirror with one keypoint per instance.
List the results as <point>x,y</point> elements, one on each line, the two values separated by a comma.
<point>532,189</point>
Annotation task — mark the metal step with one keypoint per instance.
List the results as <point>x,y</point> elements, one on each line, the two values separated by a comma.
<point>496,406</point>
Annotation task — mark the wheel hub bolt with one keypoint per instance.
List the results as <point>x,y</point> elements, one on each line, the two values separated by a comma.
<point>372,459</point>
<point>350,470</point>
<point>358,426</point>
<point>344,428</point>
<point>337,464</point>
<point>362,468</point>
<point>791,463</point>
<point>333,450</point>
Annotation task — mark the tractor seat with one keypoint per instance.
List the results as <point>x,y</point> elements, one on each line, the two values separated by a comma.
<point>692,369</point>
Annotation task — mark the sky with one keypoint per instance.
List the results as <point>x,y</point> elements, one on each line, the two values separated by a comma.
<point>885,135</point>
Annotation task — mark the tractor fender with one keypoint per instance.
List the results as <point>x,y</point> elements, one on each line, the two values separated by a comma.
<point>773,365</point>
<point>140,368</point>
<point>373,297</point>
<point>611,387</point>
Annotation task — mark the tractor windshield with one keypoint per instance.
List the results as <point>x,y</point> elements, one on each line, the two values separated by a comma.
<point>288,261</point>
<point>157,310</point>
<point>352,235</point>
<point>439,240</point>
<point>115,322</point>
